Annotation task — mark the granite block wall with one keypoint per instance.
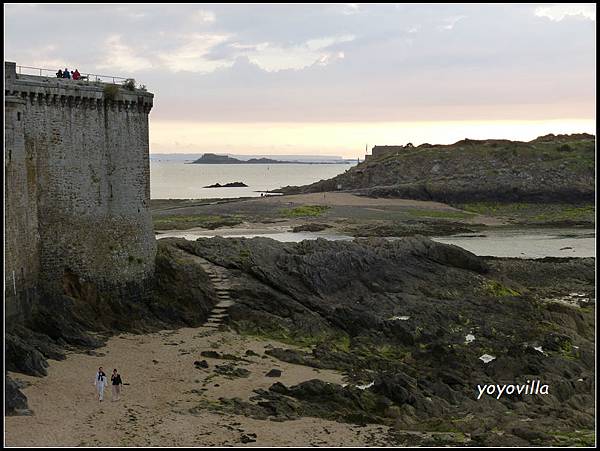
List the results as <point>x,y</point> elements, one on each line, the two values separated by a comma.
<point>81,162</point>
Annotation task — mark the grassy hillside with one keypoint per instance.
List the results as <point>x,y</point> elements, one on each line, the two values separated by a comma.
<point>548,169</point>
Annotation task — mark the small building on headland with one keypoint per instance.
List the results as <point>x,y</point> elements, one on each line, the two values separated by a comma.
<point>380,151</point>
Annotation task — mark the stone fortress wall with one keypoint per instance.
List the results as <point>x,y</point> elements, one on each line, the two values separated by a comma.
<point>77,189</point>
<point>381,151</point>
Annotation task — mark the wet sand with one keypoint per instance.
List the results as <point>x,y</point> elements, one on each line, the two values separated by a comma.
<point>266,215</point>
<point>352,200</point>
<point>154,407</point>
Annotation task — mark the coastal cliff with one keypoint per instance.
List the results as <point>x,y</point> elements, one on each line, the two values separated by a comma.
<point>547,169</point>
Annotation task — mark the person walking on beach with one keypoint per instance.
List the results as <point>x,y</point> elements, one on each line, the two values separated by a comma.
<point>116,385</point>
<point>100,383</point>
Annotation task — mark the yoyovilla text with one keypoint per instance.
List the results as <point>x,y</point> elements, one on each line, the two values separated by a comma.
<point>497,390</point>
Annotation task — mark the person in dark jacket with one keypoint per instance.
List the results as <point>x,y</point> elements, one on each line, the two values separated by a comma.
<point>116,385</point>
<point>66,73</point>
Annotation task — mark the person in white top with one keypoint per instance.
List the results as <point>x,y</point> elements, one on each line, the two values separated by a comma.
<point>100,382</point>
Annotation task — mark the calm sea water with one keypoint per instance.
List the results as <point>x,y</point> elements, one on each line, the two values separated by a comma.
<point>528,243</point>
<point>177,180</point>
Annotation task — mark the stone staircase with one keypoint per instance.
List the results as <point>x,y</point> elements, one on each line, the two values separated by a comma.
<point>218,277</point>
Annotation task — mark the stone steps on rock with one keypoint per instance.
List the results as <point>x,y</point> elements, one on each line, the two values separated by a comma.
<point>220,281</point>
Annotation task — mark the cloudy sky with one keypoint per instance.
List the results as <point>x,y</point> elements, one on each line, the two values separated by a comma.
<point>328,79</point>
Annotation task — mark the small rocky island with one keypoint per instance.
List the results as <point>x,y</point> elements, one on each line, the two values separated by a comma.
<point>213,158</point>
<point>227,185</point>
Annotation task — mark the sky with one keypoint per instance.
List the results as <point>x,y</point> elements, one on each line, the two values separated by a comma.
<point>328,79</point>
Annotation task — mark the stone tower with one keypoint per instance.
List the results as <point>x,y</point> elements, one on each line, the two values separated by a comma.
<point>77,189</point>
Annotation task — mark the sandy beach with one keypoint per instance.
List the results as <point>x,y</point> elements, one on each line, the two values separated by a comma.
<point>163,385</point>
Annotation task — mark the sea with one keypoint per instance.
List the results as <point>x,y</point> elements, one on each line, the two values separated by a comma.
<point>180,180</point>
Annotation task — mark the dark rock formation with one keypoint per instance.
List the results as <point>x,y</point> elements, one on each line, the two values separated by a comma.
<point>310,227</point>
<point>231,371</point>
<point>218,355</point>
<point>23,357</point>
<point>395,316</point>
<point>248,438</point>
<point>15,402</point>
<point>406,321</point>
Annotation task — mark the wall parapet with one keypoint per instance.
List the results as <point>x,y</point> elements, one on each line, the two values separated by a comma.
<point>74,92</point>
<point>89,100</point>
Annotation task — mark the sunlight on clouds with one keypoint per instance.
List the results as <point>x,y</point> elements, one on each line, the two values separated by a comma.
<point>450,22</point>
<point>559,12</point>
<point>328,59</point>
<point>347,139</point>
<point>203,16</point>
<point>121,57</point>
<point>272,57</point>
<point>350,8</point>
<point>136,15</point>
<point>191,55</point>
<point>321,43</point>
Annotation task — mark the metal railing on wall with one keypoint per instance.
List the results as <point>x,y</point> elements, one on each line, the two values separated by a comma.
<point>51,73</point>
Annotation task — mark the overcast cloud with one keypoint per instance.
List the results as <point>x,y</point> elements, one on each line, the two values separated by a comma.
<point>326,63</point>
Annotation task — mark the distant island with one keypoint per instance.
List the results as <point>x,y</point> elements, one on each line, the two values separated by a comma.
<point>213,158</point>
<point>228,185</point>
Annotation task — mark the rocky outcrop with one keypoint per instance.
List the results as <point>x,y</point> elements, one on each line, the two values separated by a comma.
<point>415,326</point>
<point>15,402</point>
<point>310,227</point>
<point>547,169</point>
